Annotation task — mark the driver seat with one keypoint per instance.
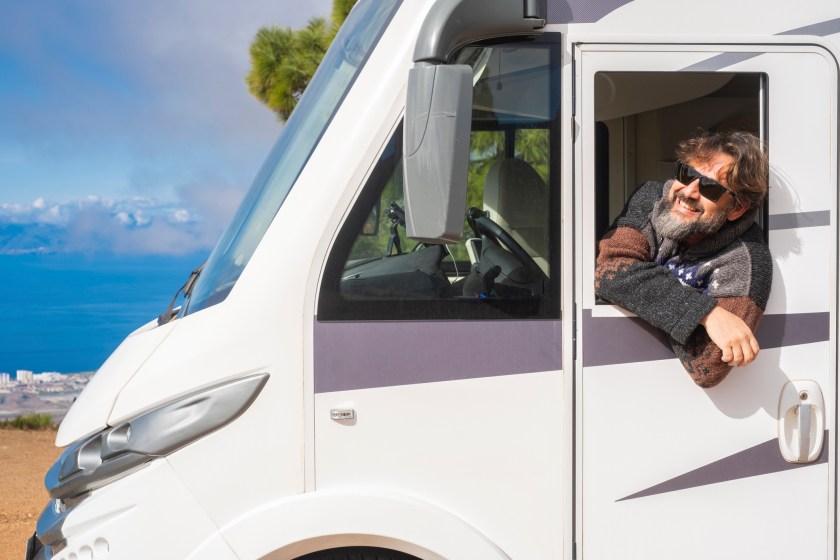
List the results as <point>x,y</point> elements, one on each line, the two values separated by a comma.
<point>516,198</point>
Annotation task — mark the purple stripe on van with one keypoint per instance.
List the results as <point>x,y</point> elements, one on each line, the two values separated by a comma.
<point>764,458</point>
<point>624,340</point>
<point>384,354</point>
<point>621,340</point>
<point>775,331</point>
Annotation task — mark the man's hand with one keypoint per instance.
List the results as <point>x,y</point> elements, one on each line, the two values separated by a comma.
<point>732,335</point>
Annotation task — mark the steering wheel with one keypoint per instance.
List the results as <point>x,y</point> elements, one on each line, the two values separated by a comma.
<point>486,227</point>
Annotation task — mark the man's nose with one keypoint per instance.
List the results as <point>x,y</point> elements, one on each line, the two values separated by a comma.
<point>692,190</point>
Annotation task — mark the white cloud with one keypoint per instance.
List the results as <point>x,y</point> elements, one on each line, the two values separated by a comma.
<point>137,225</point>
<point>181,216</point>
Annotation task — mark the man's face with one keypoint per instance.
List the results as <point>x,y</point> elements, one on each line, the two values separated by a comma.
<point>691,217</point>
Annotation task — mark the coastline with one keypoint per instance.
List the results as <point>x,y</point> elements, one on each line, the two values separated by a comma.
<point>53,396</point>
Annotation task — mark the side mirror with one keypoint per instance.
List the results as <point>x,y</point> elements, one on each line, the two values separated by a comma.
<point>436,144</point>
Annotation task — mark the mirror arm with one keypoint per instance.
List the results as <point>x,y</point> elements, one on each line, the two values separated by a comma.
<point>452,24</point>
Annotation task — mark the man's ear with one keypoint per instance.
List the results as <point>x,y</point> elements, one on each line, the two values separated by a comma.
<point>737,211</point>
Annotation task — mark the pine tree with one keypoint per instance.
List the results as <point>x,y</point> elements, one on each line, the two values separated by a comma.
<point>284,60</point>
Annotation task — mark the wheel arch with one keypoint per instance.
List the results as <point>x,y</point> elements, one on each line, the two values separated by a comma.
<point>317,521</point>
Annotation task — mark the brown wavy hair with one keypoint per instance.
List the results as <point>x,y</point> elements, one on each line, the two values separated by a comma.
<point>747,176</point>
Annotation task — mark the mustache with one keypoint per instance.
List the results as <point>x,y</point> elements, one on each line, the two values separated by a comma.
<point>690,203</point>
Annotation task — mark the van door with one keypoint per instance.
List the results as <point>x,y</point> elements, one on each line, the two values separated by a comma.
<point>665,468</point>
<point>438,368</point>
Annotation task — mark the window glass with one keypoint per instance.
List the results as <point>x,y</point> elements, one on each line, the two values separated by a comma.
<point>502,267</point>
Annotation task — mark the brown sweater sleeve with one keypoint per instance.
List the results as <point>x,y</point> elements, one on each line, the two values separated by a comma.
<point>701,357</point>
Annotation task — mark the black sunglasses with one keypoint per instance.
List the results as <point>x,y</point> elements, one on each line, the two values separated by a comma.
<point>709,188</point>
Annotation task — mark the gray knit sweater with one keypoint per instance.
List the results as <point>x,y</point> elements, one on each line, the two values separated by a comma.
<point>673,287</point>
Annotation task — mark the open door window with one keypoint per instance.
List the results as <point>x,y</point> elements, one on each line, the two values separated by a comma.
<point>640,117</point>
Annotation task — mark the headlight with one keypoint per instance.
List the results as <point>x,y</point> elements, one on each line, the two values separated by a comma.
<point>115,452</point>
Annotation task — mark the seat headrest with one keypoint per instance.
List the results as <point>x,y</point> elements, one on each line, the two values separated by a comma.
<point>515,193</point>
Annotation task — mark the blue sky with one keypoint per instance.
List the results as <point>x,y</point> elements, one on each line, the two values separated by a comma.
<point>127,140</point>
<point>126,126</point>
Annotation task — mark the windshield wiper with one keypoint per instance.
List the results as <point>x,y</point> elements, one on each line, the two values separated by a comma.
<point>186,289</point>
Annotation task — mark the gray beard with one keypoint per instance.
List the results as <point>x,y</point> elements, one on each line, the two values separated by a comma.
<point>666,225</point>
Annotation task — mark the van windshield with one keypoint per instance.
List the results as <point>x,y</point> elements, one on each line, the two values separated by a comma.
<point>336,74</point>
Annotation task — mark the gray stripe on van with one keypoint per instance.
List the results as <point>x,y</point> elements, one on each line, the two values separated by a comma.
<point>625,340</point>
<point>370,354</point>
<point>799,220</point>
<point>822,29</point>
<point>581,11</point>
<point>719,61</point>
<point>724,60</point>
<point>764,458</point>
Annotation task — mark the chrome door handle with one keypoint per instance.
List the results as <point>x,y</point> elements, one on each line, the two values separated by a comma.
<point>339,414</point>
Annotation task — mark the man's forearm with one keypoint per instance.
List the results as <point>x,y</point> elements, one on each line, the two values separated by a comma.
<point>702,358</point>
<point>732,335</point>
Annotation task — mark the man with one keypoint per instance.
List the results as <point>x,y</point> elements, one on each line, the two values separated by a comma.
<point>688,257</point>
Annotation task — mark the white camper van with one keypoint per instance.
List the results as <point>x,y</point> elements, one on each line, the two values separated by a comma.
<point>330,390</point>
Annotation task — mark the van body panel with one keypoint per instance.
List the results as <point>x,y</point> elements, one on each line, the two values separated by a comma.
<point>109,520</point>
<point>422,438</point>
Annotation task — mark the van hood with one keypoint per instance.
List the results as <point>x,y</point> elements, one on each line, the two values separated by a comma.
<point>90,411</point>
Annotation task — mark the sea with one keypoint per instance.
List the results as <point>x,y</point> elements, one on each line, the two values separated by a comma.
<point>68,312</point>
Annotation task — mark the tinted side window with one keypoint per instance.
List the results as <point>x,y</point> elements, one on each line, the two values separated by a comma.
<point>504,266</point>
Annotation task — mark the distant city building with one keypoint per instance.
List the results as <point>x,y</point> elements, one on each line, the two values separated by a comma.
<point>53,393</point>
<point>46,377</point>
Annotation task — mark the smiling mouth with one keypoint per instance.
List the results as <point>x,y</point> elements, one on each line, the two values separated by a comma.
<point>687,207</point>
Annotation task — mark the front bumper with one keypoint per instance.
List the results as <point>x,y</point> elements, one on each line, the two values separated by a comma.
<point>148,514</point>
<point>35,550</point>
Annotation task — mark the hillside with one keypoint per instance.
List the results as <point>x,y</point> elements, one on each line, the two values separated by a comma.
<point>25,457</point>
